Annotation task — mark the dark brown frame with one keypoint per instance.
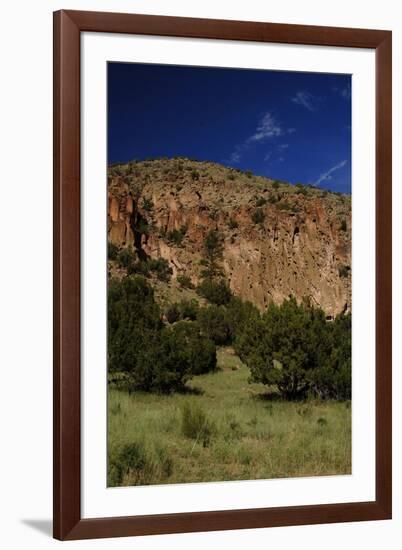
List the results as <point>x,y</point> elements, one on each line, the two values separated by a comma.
<point>67,482</point>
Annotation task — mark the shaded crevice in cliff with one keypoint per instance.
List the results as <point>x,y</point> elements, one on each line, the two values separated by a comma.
<point>140,227</point>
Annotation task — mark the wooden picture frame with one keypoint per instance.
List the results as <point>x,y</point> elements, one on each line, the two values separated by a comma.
<point>68,524</point>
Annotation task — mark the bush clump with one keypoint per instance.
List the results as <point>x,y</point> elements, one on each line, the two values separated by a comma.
<point>147,204</point>
<point>176,236</point>
<point>158,266</point>
<point>172,313</point>
<point>343,271</point>
<point>216,292</point>
<point>126,257</point>
<point>131,460</point>
<point>185,309</point>
<point>293,347</point>
<point>258,216</point>
<point>261,201</point>
<point>133,315</point>
<point>154,357</point>
<point>301,189</point>
<point>162,364</point>
<point>200,350</point>
<point>112,251</point>
<point>212,256</point>
<point>185,281</point>
<point>134,464</point>
<point>161,267</point>
<point>195,424</point>
<point>232,223</point>
<point>215,324</point>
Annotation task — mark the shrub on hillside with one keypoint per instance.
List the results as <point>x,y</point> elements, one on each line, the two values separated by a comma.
<point>238,313</point>
<point>343,271</point>
<point>261,201</point>
<point>138,268</point>
<point>163,363</point>
<point>133,316</point>
<point>301,189</point>
<point>161,267</point>
<point>216,292</point>
<point>147,204</point>
<point>332,378</point>
<point>189,309</point>
<point>143,227</point>
<point>131,460</point>
<point>126,257</point>
<point>200,350</point>
<point>172,313</point>
<point>258,216</point>
<point>137,342</point>
<point>176,236</point>
<point>195,423</point>
<point>112,251</point>
<point>232,223</point>
<point>215,324</point>
<point>185,309</point>
<point>185,281</point>
<point>293,347</point>
<point>212,256</point>
<point>154,357</point>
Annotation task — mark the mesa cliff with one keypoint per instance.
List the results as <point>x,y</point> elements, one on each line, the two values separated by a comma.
<point>279,239</point>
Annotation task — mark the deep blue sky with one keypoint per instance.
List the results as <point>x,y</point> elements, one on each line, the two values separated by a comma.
<point>285,125</point>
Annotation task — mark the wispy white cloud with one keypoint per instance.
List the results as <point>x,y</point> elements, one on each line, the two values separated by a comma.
<point>237,153</point>
<point>328,174</point>
<point>268,128</point>
<point>235,156</point>
<point>306,100</point>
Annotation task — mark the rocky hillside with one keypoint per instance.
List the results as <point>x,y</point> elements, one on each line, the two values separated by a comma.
<point>279,239</point>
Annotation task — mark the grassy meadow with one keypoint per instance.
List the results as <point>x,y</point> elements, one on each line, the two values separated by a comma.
<point>223,428</point>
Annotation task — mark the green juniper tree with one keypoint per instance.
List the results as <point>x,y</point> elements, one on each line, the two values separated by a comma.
<point>213,286</point>
<point>213,255</point>
<point>293,347</point>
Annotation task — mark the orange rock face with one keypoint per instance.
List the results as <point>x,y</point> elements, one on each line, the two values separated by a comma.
<point>299,243</point>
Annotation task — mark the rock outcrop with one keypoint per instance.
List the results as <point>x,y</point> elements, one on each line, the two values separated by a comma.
<point>279,239</point>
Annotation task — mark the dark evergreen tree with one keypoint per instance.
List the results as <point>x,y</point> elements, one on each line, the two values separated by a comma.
<point>213,255</point>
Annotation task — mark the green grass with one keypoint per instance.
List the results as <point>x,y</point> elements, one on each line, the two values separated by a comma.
<point>226,429</point>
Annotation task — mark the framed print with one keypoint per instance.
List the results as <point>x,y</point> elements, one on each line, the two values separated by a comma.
<point>222,266</point>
